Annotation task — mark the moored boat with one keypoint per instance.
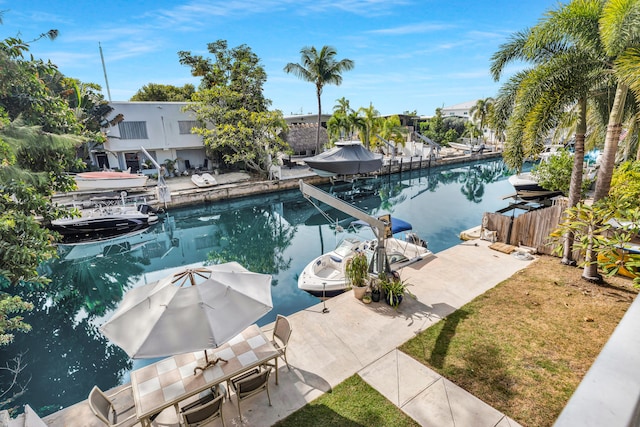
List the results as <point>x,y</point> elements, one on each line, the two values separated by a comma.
<point>346,158</point>
<point>104,222</point>
<point>109,180</point>
<point>525,181</point>
<point>325,275</point>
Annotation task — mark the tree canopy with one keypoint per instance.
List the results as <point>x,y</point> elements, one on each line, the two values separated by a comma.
<point>237,69</point>
<point>164,93</point>
<point>45,118</point>
<point>232,110</point>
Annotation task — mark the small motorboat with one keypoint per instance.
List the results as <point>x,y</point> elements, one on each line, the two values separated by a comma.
<point>528,189</point>
<point>525,181</point>
<point>325,275</point>
<point>203,180</point>
<point>109,180</point>
<point>104,222</point>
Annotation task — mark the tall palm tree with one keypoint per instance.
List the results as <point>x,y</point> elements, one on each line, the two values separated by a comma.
<point>480,112</point>
<point>620,35</point>
<point>567,68</point>
<point>320,68</point>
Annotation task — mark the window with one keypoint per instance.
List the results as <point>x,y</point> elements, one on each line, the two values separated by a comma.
<point>133,130</point>
<point>186,125</point>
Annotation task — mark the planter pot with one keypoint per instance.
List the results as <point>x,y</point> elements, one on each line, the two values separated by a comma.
<point>366,299</point>
<point>359,292</point>
<point>393,301</point>
<point>375,296</point>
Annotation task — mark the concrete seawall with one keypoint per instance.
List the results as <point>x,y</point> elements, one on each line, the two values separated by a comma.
<point>234,185</point>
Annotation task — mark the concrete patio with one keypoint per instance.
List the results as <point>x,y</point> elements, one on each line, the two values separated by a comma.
<point>352,337</point>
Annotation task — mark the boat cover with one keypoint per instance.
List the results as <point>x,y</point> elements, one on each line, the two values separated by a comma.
<point>347,158</point>
<point>397,225</point>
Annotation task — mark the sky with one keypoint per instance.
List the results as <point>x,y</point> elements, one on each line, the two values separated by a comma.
<point>410,55</point>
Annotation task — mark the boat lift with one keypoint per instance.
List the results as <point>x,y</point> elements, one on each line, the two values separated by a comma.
<point>164,195</point>
<point>381,226</point>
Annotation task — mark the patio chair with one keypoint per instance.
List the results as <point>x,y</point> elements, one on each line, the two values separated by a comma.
<point>249,384</point>
<point>281,335</point>
<point>102,406</point>
<point>203,410</point>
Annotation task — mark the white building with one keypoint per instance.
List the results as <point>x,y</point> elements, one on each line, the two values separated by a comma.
<point>162,128</point>
<point>459,110</point>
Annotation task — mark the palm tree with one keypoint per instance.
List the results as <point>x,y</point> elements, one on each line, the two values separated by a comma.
<point>356,123</point>
<point>371,121</point>
<point>480,112</point>
<point>342,106</point>
<point>568,66</point>
<point>320,68</point>
<point>392,130</point>
<point>337,126</point>
<point>620,35</point>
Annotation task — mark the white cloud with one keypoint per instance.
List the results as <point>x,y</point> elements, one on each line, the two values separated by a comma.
<point>419,28</point>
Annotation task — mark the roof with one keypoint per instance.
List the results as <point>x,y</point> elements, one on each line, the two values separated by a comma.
<point>462,106</point>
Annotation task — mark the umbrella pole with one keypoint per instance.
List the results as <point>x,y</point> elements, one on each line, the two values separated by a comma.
<point>208,363</point>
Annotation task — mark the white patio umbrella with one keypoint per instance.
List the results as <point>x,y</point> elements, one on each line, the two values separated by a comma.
<point>195,309</point>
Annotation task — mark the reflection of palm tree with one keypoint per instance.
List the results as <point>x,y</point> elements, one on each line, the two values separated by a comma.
<point>95,284</point>
<point>473,186</point>
<point>473,189</point>
<point>391,195</point>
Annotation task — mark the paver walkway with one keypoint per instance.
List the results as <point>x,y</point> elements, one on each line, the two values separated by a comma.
<point>427,397</point>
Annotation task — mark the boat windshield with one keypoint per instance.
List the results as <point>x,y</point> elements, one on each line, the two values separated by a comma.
<point>347,247</point>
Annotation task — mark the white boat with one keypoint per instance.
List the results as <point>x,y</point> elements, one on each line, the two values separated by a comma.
<point>325,275</point>
<point>468,147</point>
<point>525,181</point>
<point>204,180</point>
<point>109,180</point>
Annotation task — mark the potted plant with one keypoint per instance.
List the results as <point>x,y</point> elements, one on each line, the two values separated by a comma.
<point>357,274</point>
<point>394,290</point>
<point>375,287</point>
<point>171,166</point>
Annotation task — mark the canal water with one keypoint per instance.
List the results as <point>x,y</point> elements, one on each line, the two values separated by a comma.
<point>65,355</point>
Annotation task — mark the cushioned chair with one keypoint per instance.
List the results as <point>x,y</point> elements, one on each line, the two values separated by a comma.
<point>103,408</point>
<point>203,410</point>
<point>281,335</point>
<point>249,384</point>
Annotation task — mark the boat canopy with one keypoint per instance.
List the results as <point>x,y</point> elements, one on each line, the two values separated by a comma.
<point>347,158</point>
<point>397,225</point>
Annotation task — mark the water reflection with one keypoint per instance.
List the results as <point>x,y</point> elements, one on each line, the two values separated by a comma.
<point>276,234</point>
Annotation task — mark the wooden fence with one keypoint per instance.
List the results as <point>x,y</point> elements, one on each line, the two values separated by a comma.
<point>530,229</point>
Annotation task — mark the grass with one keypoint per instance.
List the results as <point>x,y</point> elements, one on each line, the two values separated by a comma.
<point>524,346</point>
<point>352,403</point>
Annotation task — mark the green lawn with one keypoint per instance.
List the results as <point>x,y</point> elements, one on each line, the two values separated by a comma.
<point>524,346</point>
<point>352,403</point>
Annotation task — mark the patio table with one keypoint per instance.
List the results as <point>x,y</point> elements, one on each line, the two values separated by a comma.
<point>172,380</point>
